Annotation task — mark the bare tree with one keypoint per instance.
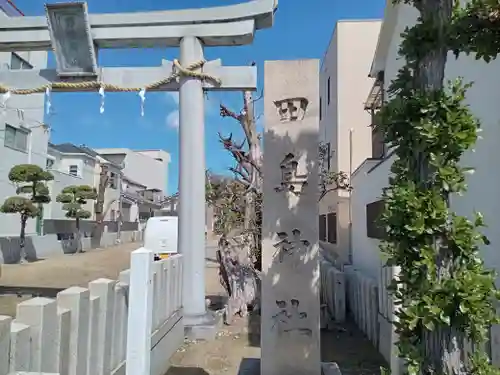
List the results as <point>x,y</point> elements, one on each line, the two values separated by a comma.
<point>330,181</point>
<point>100,212</point>
<point>238,208</point>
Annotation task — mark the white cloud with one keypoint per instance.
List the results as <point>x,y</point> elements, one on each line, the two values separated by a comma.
<point>172,119</point>
<point>173,97</point>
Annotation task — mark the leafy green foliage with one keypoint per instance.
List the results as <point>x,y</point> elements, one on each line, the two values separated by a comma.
<point>442,282</point>
<point>29,179</point>
<point>29,173</point>
<point>74,197</point>
<point>19,205</point>
<point>227,197</point>
<point>41,192</point>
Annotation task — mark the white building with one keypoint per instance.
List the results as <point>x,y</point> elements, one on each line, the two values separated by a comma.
<point>344,123</point>
<point>23,135</point>
<point>483,98</point>
<point>148,167</point>
<point>80,165</point>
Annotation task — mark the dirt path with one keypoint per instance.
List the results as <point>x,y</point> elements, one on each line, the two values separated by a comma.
<point>225,353</point>
<point>64,271</point>
<point>236,350</point>
<point>236,347</point>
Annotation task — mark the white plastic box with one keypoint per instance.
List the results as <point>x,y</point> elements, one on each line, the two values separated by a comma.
<point>160,235</point>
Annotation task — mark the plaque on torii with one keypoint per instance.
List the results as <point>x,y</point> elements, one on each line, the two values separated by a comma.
<point>76,38</point>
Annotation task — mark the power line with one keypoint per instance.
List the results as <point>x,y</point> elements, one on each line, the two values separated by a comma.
<point>21,113</point>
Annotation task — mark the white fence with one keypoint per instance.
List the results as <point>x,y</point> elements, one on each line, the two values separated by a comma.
<point>333,293</point>
<point>363,303</point>
<point>97,331</point>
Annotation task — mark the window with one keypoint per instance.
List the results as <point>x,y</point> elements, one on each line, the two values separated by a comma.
<point>73,170</point>
<point>322,227</point>
<point>320,109</point>
<point>16,138</point>
<point>49,164</point>
<point>328,91</point>
<point>332,227</point>
<point>373,227</point>
<point>112,183</point>
<point>18,63</point>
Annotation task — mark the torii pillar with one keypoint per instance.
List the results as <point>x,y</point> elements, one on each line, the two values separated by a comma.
<point>191,29</point>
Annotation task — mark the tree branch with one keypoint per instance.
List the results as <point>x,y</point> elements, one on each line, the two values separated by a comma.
<point>241,174</point>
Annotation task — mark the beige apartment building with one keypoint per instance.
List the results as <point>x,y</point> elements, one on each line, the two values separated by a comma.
<point>345,124</point>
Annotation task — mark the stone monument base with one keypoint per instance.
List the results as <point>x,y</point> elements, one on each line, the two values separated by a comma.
<point>202,327</point>
<point>251,366</point>
<point>330,368</point>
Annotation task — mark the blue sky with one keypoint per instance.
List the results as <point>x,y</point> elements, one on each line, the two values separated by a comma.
<point>302,30</point>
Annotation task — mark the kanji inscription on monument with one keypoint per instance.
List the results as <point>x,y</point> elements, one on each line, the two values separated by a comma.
<point>291,109</point>
<point>290,264</point>
<point>291,246</point>
<point>291,319</point>
<point>291,180</point>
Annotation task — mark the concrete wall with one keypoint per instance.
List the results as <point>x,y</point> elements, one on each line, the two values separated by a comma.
<point>53,210</point>
<point>92,330</point>
<point>164,158</point>
<point>367,181</point>
<point>88,174</point>
<point>140,167</point>
<point>346,66</point>
<point>41,247</point>
<point>30,118</point>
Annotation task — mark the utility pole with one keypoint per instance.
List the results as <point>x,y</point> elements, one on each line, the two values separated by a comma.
<point>120,206</point>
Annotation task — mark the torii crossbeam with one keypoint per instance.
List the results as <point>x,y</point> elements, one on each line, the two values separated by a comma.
<point>190,29</point>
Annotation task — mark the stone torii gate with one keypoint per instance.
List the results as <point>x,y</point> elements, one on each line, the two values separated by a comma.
<point>75,36</point>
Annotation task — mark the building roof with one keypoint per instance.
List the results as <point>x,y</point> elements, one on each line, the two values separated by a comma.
<point>332,37</point>
<point>10,9</point>
<point>114,151</point>
<point>69,148</point>
<point>125,178</point>
<point>389,24</point>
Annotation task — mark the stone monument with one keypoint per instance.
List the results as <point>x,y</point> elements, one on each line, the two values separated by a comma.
<point>290,334</point>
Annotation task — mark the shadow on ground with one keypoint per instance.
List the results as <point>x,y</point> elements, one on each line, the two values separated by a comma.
<point>175,370</point>
<point>217,302</point>
<point>353,352</point>
<point>253,333</point>
<point>249,366</point>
